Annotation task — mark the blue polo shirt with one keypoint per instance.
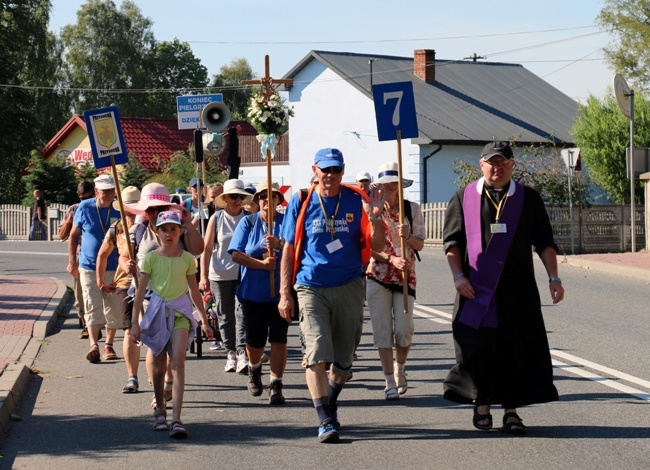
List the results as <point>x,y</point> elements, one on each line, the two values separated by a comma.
<point>94,221</point>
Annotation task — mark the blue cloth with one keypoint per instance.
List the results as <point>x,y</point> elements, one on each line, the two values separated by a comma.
<point>93,231</point>
<point>157,323</point>
<point>318,266</point>
<point>249,238</point>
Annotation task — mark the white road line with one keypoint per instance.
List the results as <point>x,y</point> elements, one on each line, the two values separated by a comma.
<point>597,378</point>
<point>420,310</point>
<point>41,253</point>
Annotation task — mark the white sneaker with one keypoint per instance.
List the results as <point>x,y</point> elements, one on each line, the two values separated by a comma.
<point>242,363</point>
<point>231,362</point>
<point>216,345</point>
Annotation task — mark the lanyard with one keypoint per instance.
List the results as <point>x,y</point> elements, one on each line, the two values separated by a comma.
<point>106,225</point>
<point>499,207</point>
<point>330,220</point>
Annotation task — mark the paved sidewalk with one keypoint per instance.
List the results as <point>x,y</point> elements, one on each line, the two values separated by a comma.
<point>28,309</point>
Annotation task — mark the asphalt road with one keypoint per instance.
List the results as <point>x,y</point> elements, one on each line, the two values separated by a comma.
<point>75,417</point>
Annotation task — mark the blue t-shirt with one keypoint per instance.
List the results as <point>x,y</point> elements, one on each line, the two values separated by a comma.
<point>327,261</point>
<point>93,227</point>
<point>254,285</point>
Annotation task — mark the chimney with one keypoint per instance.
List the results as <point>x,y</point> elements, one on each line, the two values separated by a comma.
<point>424,64</point>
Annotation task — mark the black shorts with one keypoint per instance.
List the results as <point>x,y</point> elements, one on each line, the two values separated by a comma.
<point>263,321</point>
<point>126,307</point>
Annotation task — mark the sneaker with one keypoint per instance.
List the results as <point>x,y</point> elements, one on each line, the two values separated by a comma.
<point>242,363</point>
<point>327,433</point>
<point>390,393</point>
<point>255,381</point>
<point>231,362</point>
<point>400,379</point>
<point>275,393</point>
<point>84,333</point>
<point>216,345</point>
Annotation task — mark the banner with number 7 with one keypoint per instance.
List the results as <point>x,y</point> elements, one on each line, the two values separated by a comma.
<point>395,110</point>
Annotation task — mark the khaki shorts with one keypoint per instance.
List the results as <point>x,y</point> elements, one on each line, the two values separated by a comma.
<point>100,308</point>
<point>387,315</point>
<point>331,319</point>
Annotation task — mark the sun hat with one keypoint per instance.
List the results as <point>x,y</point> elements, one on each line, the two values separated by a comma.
<point>169,217</point>
<point>363,175</point>
<point>233,186</point>
<point>496,148</point>
<point>130,195</point>
<point>104,182</point>
<point>263,186</point>
<point>388,173</point>
<point>153,194</point>
<point>329,157</point>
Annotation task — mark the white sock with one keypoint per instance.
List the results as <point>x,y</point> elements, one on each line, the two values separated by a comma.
<point>256,366</point>
<point>276,379</point>
<point>390,381</point>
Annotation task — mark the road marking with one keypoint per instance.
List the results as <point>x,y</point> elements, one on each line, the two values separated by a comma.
<point>420,310</point>
<point>38,253</point>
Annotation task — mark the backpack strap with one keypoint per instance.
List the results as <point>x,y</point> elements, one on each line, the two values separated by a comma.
<point>112,231</point>
<point>140,230</point>
<point>408,212</point>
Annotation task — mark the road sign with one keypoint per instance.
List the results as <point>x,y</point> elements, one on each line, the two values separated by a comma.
<point>189,109</point>
<point>106,137</point>
<point>395,110</point>
<point>284,190</point>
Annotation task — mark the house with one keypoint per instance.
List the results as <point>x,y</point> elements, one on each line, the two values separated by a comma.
<point>152,139</point>
<point>460,106</point>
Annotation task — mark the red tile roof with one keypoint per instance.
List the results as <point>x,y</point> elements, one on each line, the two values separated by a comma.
<point>151,139</point>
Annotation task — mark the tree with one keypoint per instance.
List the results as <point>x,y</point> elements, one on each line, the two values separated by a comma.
<point>628,22</point>
<point>181,168</point>
<point>228,81</point>
<point>542,169</point>
<point>56,180</point>
<point>133,174</point>
<point>602,133</point>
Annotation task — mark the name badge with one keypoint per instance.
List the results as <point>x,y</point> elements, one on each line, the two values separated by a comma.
<point>498,228</point>
<point>334,246</point>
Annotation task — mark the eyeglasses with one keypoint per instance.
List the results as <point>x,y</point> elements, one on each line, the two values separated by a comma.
<point>265,196</point>
<point>496,161</point>
<point>234,197</point>
<point>332,169</point>
<point>157,208</point>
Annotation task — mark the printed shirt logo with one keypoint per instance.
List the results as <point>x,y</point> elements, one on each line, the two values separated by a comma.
<point>349,217</point>
<point>106,133</point>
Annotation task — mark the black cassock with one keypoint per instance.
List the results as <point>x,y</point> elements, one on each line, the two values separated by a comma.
<point>509,364</point>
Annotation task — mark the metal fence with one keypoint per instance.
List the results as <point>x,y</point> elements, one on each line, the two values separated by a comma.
<point>596,229</point>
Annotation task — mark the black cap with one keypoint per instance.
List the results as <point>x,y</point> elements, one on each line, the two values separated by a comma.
<point>496,148</point>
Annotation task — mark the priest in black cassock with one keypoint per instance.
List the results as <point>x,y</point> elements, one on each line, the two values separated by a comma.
<point>502,352</point>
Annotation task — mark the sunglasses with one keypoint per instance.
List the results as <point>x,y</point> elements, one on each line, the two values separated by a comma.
<point>157,208</point>
<point>234,197</point>
<point>332,169</point>
<point>265,196</point>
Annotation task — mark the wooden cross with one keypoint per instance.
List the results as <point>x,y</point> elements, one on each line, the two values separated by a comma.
<point>268,87</point>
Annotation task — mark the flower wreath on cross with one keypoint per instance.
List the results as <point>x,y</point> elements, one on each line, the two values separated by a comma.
<point>269,114</point>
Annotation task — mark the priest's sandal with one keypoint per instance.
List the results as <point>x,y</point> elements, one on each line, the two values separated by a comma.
<point>478,418</point>
<point>515,426</point>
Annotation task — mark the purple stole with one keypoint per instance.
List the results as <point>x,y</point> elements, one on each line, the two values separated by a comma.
<point>486,266</point>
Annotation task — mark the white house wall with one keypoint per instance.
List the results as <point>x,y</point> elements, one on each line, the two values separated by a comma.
<point>329,112</point>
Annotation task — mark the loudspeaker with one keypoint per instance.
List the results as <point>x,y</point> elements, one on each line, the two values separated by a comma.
<point>213,143</point>
<point>215,116</point>
<point>198,145</point>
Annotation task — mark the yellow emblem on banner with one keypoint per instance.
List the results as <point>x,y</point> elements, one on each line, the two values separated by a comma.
<point>349,217</point>
<point>106,133</point>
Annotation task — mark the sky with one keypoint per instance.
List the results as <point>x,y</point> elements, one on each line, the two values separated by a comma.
<point>558,40</point>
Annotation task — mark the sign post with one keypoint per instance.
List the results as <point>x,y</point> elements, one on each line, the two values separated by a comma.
<point>109,149</point>
<point>396,120</point>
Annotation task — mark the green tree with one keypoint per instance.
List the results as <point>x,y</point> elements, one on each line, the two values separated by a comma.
<point>228,81</point>
<point>539,167</point>
<point>29,59</point>
<point>56,180</point>
<point>133,174</point>
<point>628,22</point>
<point>603,134</point>
<point>181,168</point>
<point>86,171</point>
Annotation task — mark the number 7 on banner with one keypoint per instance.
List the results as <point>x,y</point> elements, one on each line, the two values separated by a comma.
<point>395,110</point>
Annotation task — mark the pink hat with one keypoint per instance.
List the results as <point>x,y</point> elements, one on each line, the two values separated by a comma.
<point>153,194</point>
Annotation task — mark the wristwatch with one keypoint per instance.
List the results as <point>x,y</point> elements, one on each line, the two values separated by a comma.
<point>375,219</point>
<point>554,279</point>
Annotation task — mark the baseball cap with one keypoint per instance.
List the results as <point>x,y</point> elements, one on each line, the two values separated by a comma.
<point>363,175</point>
<point>193,182</point>
<point>104,182</point>
<point>169,217</point>
<point>496,148</point>
<point>326,158</point>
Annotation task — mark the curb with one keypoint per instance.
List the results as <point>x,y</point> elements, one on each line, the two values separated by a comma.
<point>629,271</point>
<point>14,380</point>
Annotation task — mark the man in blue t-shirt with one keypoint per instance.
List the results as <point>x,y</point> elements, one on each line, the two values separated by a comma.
<point>92,220</point>
<point>329,236</point>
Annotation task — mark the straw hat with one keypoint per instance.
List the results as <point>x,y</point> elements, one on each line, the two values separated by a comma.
<point>130,195</point>
<point>152,195</point>
<point>387,173</point>
<point>262,187</point>
<point>233,186</point>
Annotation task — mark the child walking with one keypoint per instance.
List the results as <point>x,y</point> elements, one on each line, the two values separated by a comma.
<point>168,324</point>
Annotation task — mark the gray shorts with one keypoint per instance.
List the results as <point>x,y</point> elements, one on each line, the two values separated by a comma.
<point>331,319</point>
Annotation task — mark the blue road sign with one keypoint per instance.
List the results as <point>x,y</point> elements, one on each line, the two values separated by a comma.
<point>106,136</point>
<point>189,109</point>
<point>395,110</point>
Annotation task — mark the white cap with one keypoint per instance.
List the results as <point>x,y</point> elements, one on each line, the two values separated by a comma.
<point>104,182</point>
<point>363,175</point>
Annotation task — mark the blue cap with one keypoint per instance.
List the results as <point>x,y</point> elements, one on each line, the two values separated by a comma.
<point>193,182</point>
<point>329,157</point>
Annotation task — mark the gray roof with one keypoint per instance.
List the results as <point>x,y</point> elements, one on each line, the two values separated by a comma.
<point>468,101</point>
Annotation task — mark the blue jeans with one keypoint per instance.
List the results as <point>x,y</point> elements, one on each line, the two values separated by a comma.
<point>37,227</point>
